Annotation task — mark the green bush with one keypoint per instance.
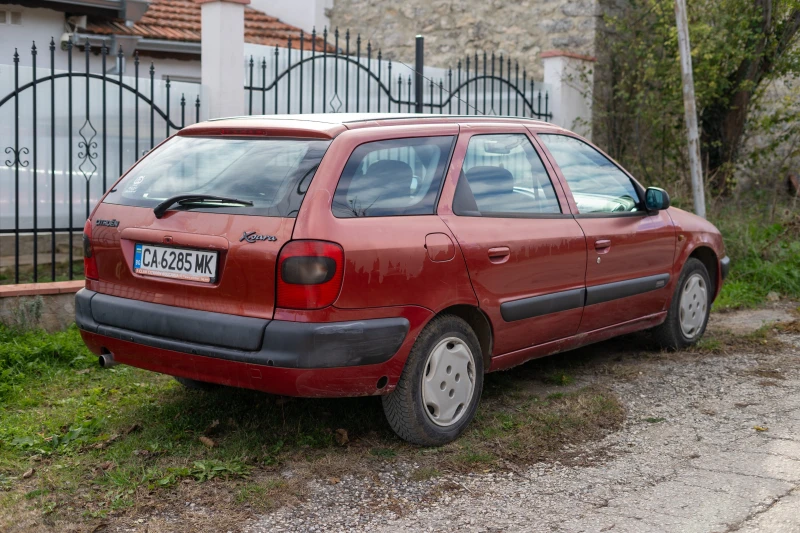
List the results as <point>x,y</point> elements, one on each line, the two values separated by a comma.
<point>765,255</point>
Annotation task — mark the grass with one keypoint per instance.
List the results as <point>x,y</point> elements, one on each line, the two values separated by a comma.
<point>110,443</point>
<point>764,247</point>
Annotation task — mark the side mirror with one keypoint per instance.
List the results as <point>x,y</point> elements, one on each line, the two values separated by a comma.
<point>656,199</point>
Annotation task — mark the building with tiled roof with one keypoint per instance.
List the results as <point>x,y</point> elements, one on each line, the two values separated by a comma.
<point>179,21</point>
<point>165,33</point>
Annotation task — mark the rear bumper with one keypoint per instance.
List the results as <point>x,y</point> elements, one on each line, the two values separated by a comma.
<point>295,358</point>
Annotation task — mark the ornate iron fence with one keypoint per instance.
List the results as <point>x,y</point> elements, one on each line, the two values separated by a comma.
<point>103,134</point>
<point>305,78</point>
<point>74,131</point>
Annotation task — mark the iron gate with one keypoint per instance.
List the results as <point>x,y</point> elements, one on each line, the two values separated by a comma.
<point>96,125</point>
<point>359,79</point>
<point>91,142</point>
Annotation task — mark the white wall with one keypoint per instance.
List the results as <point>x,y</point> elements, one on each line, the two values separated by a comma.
<point>40,25</point>
<point>571,80</point>
<point>304,14</point>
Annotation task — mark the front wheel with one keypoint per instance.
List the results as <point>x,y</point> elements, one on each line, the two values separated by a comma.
<point>689,311</point>
<point>440,387</point>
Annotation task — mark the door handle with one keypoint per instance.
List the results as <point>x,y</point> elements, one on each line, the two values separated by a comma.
<point>499,255</point>
<point>602,245</point>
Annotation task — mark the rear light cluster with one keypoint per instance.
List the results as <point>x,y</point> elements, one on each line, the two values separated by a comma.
<point>309,274</point>
<point>89,260</point>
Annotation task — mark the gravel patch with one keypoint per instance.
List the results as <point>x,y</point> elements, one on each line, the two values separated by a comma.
<point>708,445</point>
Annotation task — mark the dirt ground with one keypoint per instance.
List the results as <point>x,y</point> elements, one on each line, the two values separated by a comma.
<point>704,440</point>
<point>711,443</point>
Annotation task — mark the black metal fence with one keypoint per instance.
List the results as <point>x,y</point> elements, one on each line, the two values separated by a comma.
<point>75,130</point>
<point>356,78</point>
<point>82,141</point>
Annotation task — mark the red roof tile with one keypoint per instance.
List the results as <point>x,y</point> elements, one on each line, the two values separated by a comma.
<point>179,20</point>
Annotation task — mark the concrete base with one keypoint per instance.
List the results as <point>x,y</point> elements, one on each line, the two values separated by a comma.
<point>50,306</point>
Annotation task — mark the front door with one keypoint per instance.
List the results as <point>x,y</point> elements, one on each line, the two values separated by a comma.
<point>630,252</point>
<point>525,253</point>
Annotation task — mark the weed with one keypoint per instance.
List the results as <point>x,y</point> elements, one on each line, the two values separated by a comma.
<point>654,420</point>
<point>383,452</point>
<point>35,493</point>
<point>206,470</point>
<point>27,313</point>
<point>562,379</point>
<point>424,473</point>
<point>250,492</point>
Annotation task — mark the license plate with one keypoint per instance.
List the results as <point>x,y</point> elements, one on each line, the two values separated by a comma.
<point>175,263</point>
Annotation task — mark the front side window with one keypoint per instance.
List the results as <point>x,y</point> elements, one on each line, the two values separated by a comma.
<point>502,176</point>
<point>273,174</point>
<point>392,178</point>
<point>597,184</point>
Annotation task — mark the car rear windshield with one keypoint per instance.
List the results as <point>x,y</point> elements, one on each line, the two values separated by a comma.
<point>273,174</point>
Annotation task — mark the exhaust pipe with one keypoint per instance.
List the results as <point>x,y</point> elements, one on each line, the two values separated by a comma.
<point>107,360</point>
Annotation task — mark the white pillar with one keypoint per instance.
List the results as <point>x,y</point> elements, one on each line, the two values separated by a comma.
<point>571,80</point>
<point>222,49</point>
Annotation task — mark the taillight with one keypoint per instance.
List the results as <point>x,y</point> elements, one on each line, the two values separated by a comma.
<point>89,260</point>
<point>309,274</point>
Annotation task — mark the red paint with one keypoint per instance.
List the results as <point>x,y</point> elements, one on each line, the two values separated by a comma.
<point>403,266</point>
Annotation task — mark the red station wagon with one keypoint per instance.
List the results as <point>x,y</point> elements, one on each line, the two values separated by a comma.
<point>377,254</point>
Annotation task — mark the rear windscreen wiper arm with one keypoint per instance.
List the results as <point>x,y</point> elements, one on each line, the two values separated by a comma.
<point>161,208</point>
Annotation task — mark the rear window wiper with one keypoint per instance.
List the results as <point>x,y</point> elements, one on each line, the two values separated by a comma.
<point>161,208</point>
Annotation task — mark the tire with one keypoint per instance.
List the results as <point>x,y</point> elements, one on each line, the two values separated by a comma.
<point>193,384</point>
<point>433,402</point>
<point>672,335</point>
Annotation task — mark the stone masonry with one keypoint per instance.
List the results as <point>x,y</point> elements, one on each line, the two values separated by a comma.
<point>519,29</point>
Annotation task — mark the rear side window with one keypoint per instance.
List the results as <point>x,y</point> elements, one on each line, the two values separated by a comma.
<point>274,174</point>
<point>393,177</point>
<point>502,176</point>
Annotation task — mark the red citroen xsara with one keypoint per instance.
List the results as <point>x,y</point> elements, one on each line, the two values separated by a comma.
<point>393,255</point>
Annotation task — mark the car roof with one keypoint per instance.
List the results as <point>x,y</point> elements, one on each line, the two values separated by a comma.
<point>328,125</point>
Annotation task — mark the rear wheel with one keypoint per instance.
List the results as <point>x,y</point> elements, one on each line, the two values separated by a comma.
<point>193,384</point>
<point>688,313</point>
<point>440,387</point>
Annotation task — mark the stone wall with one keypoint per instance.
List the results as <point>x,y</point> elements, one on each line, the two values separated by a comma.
<point>519,29</point>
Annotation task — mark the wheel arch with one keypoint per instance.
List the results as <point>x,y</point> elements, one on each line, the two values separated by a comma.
<point>708,257</point>
<point>479,323</point>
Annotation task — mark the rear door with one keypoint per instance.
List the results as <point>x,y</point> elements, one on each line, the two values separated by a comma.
<point>203,253</point>
<point>525,254</point>
<point>630,251</point>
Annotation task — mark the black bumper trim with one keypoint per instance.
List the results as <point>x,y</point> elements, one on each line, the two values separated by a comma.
<point>180,324</point>
<point>542,305</point>
<point>281,343</point>
<point>622,289</point>
<point>724,267</point>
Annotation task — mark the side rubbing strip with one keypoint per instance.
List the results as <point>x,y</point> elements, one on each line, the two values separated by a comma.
<point>622,289</point>
<point>542,305</point>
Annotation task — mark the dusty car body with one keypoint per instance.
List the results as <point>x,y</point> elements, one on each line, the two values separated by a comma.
<point>393,255</point>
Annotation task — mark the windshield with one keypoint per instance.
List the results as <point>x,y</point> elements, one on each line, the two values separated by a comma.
<point>273,174</point>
